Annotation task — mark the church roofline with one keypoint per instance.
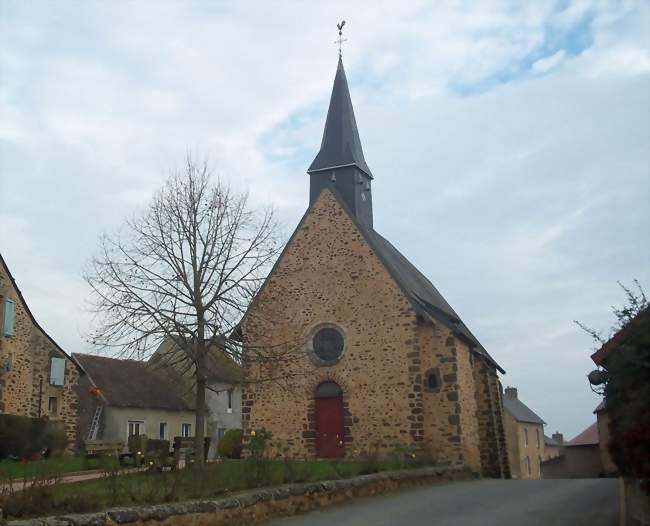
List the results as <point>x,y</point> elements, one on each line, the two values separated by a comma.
<point>428,310</point>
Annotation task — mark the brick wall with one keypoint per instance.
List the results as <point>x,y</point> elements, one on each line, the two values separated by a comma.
<point>25,368</point>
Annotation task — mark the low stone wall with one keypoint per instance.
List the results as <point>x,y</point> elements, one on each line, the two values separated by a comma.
<point>255,505</point>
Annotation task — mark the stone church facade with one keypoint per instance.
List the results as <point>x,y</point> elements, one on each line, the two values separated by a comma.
<point>381,360</point>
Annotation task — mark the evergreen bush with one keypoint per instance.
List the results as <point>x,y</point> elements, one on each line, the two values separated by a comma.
<point>230,445</point>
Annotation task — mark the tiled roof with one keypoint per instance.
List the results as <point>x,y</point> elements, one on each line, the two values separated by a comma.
<point>588,437</point>
<point>633,329</point>
<point>132,383</point>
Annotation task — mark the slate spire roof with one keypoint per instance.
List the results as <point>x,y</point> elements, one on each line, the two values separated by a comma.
<point>341,145</point>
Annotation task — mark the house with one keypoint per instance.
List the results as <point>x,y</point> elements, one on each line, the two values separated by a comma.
<point>579,457</point>
<point>602,422</point>
<point>624,416</point>
<point>119,398</point>
<point>223,395</point>
<point>382,361</point>
<point>524,436</point>
<point>37,377</point>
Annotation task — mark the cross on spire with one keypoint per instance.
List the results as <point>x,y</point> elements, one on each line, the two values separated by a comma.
<point>340,40</point>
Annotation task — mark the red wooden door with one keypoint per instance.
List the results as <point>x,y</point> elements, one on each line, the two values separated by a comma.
<point>329,427</point>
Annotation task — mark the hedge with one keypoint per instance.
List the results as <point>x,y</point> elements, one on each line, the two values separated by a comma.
<point>22,436</point>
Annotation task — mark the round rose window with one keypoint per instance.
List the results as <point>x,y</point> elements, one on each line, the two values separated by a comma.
<point>328,344</point>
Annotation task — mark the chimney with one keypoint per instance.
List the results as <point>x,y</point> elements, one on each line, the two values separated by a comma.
<point>558,437</point>
<point>511,392</point>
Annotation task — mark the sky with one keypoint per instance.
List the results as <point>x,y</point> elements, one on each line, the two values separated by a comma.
<point>508,140</point>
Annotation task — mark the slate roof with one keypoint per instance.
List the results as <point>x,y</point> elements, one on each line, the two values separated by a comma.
<point>219,366</point>
<point>341,145</point>
<point>520,411</point>
<point>132,383</point>
<point>548,441</point>
<point>588,437</point>
<point>420,291</point>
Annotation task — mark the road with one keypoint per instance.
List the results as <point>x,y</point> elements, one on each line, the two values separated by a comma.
<point>575,502</point>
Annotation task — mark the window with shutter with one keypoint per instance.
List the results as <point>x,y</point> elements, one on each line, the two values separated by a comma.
<point>9,317</point>
<point>57,371</point>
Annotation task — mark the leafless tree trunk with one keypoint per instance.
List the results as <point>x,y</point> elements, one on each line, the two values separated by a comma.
<point>184,271</point>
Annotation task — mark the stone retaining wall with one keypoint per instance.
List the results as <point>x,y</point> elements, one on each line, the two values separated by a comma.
<point>255,505</point>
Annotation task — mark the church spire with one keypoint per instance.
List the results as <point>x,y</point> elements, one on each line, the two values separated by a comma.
<point>341,145</point>
<point>340,164</point>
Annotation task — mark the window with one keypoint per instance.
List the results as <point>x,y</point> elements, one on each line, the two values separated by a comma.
<point>57,371</point>
<point>162,431</point>
<point>186,430</point>
<point>537,433</point>
<point>328,344</point>
<point>9,317</point>
<point>527,464</point>
<point>220,432</point>
<point>53,406</point>
<point>135,428</point>
<point>432,380</point>
<point>526,437</point>
<point>229,394</point>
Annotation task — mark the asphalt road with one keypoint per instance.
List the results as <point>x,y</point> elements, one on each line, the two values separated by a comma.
<point>577,502</point>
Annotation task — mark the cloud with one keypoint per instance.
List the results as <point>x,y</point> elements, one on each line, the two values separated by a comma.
<point>546,64</point>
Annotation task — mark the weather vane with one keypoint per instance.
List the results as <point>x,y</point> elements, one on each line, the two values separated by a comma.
<point>340,40</point>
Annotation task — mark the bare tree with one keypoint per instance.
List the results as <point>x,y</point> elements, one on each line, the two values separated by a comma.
<point>635,302</point>
<point>185,271</point>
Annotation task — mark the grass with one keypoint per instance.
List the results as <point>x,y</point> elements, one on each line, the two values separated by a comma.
<point>46,468</point>
<point>157,487</point>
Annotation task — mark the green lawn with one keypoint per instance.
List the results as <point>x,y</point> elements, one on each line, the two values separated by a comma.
<point>156,487</point>
<point>10,469</point>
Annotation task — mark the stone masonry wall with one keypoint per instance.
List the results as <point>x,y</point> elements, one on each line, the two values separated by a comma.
<point>492,440</point>
<point>329,274</point>
<point>450,410</point>
<point>27,382</point>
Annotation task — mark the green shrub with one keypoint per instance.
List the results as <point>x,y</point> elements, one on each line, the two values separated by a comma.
<point>22,436</point>
<point>230,445</point>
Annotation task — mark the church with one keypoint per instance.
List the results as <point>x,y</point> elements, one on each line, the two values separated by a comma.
<point>383,361</point>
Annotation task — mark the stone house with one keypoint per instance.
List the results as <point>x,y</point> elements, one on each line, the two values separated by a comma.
<point>120,398</point>
<point>602,422</point>
<point>224,391</point>
<point>37,377</point>
<point>524,436</point>
<point>381,359</point>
